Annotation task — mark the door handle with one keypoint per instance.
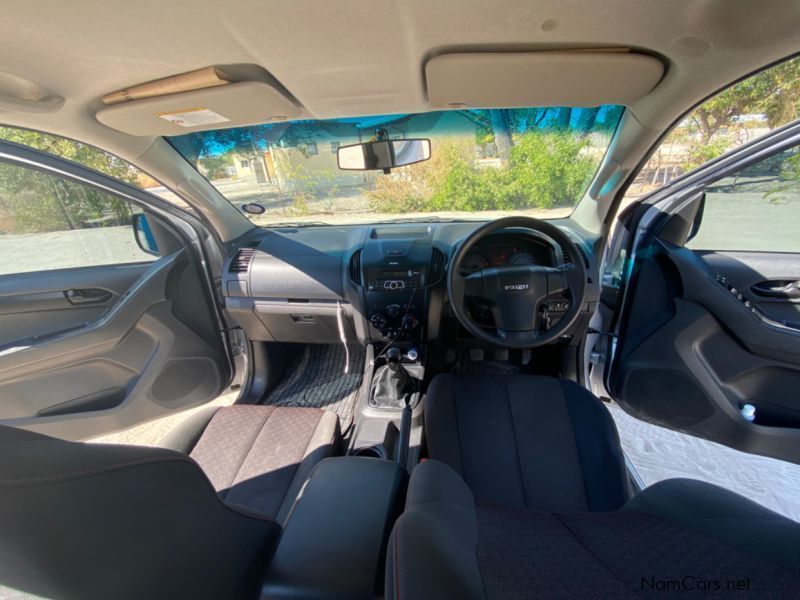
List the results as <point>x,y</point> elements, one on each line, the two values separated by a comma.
<point>88,296</point>
<point>778,289</point>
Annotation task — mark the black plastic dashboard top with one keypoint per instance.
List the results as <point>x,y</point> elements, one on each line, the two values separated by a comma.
<point>312,262</point>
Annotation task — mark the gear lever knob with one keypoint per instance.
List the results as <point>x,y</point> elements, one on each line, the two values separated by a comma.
<point>393,356</point>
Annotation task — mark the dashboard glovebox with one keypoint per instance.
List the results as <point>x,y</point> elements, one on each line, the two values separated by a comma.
<point>288,286</point>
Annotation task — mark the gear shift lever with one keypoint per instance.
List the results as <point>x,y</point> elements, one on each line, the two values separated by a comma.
<point>393,356</point>
<point>391,383</point>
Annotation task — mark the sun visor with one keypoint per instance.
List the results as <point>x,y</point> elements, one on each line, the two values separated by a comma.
<point>553,78</point>
<point>230,105</point>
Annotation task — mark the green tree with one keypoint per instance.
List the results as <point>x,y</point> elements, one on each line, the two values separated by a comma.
<point>37,202</point>
<point>216,165</point>
<point>545,169</point>
<point>502,133</point>
<point>768,99</point>
<point>83,154</point>
<point>774,93</point>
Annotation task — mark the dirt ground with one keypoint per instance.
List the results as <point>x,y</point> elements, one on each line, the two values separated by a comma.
<point>659,453</point>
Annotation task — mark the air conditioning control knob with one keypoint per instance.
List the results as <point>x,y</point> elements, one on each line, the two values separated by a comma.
<point>409,322</point>
<point>378,321</point>
<point>393,310</point>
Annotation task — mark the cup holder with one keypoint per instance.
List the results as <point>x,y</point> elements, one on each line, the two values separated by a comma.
<point>370,452</point>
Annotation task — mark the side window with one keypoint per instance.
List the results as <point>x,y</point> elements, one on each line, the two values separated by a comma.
<point>757,208</point>
<point>741,113</point>
<point>47,222</point>
<point>93,158</point>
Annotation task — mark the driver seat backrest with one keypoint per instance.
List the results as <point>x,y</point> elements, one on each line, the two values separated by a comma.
<point>527,441</point>
<point>107,521</point>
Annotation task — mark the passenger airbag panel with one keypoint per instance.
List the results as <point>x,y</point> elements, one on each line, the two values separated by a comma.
<point>310,277</point>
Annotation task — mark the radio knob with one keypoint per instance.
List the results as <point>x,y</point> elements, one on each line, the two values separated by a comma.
<point>393,310</point>
<point>409,322</point>
<point>378,321</point>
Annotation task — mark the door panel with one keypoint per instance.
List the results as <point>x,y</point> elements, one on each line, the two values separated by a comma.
<point>692,351</point>
<point>749,272</point>
<point>96,334</point>
<point>135,362</point>
<point>707,310</point>
<point>37,304</point>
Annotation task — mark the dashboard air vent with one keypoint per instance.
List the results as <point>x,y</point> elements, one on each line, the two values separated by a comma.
<point>438,266</point>
<point>355,267</point>
<point>582,252</point>
<point>241,262</point>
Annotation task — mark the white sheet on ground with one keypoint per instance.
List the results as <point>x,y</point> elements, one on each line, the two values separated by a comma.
<point>659,453</point>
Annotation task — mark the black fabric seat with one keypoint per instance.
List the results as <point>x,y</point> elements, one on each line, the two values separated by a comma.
<point>110,521</point>
<point>526,441</point>
<point>676,536</point>
<point>258,457</point>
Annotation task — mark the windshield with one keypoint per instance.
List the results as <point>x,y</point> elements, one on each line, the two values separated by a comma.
<point>484,164</point>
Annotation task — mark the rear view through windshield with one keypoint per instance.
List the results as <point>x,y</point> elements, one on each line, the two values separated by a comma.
<point>484,164</point>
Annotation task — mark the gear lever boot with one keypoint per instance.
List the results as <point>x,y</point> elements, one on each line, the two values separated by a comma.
<point>391,382</point>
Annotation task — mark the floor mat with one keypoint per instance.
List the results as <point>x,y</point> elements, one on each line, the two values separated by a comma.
<point>485,367</point>
<point>316,379</point>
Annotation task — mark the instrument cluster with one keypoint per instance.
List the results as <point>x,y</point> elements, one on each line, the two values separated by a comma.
<point>508,252</point>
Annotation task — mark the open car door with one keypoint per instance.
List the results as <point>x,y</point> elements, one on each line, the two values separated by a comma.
<point>704,289</point>
<point>107,317</point>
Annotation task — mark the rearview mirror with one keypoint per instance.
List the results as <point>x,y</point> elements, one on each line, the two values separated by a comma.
<point>144,235</point>
<point>383,155</point>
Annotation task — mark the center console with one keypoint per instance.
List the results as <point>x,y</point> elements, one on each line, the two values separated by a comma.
<point>337,531</point>
<point>396,269</point>
<point>399,264</point>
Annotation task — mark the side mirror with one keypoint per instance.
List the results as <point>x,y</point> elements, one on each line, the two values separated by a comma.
<point>144,235</point>
<point>383,155</point>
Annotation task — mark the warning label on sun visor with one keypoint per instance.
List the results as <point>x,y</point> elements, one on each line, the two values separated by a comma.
<point>192,117</point>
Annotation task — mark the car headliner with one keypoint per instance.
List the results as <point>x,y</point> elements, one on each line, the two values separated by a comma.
<point>353,58</point>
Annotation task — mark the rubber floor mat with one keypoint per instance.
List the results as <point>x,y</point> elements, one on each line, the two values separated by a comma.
<point>317,379</point>
<point>484,367</point>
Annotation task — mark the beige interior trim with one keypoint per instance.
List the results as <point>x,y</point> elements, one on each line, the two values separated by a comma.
<point>49,104</point>
<point>515,79</point>
<point>235,105</point>
<point>165,164</point>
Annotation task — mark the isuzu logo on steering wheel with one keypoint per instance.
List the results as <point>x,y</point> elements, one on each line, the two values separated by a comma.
<point>515,286</point>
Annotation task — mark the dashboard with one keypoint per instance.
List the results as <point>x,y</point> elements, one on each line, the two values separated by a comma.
<point>377,283</point>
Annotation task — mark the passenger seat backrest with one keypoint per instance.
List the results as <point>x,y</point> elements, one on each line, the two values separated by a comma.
<point>101,521</point>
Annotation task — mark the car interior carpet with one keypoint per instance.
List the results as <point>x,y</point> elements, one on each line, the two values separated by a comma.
<point>316,378</point>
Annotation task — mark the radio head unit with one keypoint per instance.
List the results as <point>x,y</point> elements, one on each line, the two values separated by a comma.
<point>394,280</point>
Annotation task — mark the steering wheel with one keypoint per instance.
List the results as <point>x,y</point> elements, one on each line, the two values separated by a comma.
<point>516,293</point>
